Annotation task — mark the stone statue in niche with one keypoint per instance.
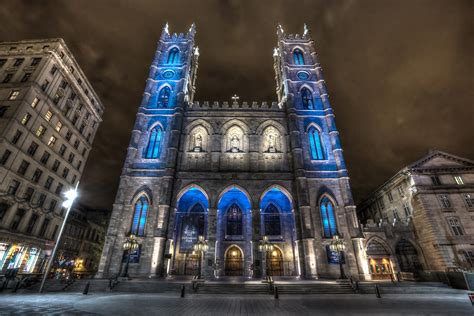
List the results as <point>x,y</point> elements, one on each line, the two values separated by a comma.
<point>234,144</point>
<point>271,143</point>
<point>198,143</point>
<point>271,140</point>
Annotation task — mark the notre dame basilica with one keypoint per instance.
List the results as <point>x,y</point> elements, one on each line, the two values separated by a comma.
<point>234,175</point>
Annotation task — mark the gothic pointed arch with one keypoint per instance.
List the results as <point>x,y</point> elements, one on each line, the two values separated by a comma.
<point>155,138</point>
<point>140,211</point>
<point>234,222</point>
<point>298,57</point>
<point>328,216</point>
<point>307,98</point>
<point>164,95</point>
<point>198,139</point>
<point>173,56</point>
<point>272,220</point>
<point>316,145</point>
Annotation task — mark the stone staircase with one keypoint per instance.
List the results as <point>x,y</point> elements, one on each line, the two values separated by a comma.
<point>233,288</point>
<point>323,287</point>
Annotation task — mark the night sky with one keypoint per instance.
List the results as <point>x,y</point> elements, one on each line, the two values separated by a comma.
<point>399,73</point>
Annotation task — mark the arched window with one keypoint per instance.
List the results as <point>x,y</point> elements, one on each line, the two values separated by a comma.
<point>328,218</point>
<point>164,97</point>
<point>139,217</point>
<point>152,151</point>
<point>298,57</point>
<point>271,218</point>
<point>173,56</point>
<point>193,226</point>
<point>234,220</point>
<point>315,144</point>
<point>307,99</point>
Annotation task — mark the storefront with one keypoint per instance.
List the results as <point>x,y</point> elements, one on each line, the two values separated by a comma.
<point>19,256</point>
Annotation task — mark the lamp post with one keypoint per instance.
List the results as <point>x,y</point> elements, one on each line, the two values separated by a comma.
<point>264,247</point>
<point>338,245</point>
<point>201,247</point>
<point>130,244</point>
<point>70,195</point>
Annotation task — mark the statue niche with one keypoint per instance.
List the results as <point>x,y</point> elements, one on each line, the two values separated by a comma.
<point>271,140</point>
<point>197,140</point>
<point>234,141</point>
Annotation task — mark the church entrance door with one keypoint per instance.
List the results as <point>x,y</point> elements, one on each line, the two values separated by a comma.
<point>234,262</point>
<point>275,263</point>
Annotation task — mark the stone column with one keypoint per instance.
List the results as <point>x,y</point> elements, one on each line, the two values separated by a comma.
<point>256,237</point>
<point>207,270</point>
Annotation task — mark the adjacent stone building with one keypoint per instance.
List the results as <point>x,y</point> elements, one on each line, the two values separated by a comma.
<point>49,115</point>
<point>422,219</point>
<point>234,172</point>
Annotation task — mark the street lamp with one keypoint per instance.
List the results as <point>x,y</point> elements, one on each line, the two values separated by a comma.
<point>70,195</point>
<point>264,247</point>
<point>338,245</point>
<point>201,247</point>
<point>130,245</point>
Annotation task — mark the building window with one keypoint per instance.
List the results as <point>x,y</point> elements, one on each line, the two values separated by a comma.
<point>14,94</point>
<point>45,85</point>
<point>41,199</point>
<point>62,150</point>
<point>44,159</point>
<point>32,223</point>
<point>63,84</point>
<point>68,135</point>
<point>139,217</point>
<point>76,144</point>
<point>298,57</point>
<point>455,226</point>
<point>18,62</point>
<point>152,150</point>
<point>40,131</point>
<point>26,119</point>
<point>407,210</point>
<point>29,194</point>
<point>390,196</point>
<point>469,198</point>
<point>458,180</point>
<point>37,175</point>
<point>26,77</point>
<point>65,173</point>
<point>307,98</point>
<point>271,220</point>
<point>54,69</point>
<point>32,149</point>
<point>315,144</point>
<point>16,137</point>
<point>5,157</point>
<point>79,164</point>
<point>74,119</point>
<point>435,180</point>
<point>48,183</point>
<point>2,62</point>
<point>13,188</point>
<point>328,217</point>
<point>7,78</point>
<point>56,98</point>
<point>23,167</point>
<point>51,141</point>
<point>73,180</point>
<point>401,191</point>
<point>44,227</point>
<point>469,255</point>
<point>34,103</point>
<point>395,215</point>
<point>58,127</point>
<point>234,220</point>
<point>445,202</point>
<point>70,159</point>
<point>20,213</point>
<point>35,61</point>
<point>52,205</point>
<point>164,97</point>
<point>3,110</point>
<point>59,188</point>
<point>173,56</point>
<point>55,165</point>
<point>48,116</point>
<point>81,129</point>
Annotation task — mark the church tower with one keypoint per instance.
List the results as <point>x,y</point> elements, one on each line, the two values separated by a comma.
<point>325,205</point>
<point>146,183</point>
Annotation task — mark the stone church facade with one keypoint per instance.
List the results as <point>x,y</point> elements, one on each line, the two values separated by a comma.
<point>234,173</point>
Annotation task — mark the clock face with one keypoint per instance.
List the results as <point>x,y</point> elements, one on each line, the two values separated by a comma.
<point>303,75</point>
<point>168,74</point>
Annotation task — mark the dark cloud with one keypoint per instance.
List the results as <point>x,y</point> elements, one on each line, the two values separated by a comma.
<point>399,72</point>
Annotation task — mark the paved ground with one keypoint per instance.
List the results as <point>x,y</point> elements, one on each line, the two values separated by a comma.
<point>166,304</point>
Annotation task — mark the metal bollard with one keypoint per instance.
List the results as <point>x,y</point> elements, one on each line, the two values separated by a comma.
<point>182,290</point>
<point>377,291</point>
<point>86,289</point>
<point>276,292</point>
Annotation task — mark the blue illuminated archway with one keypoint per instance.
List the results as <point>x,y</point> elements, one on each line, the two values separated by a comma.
<point>234,205</point>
